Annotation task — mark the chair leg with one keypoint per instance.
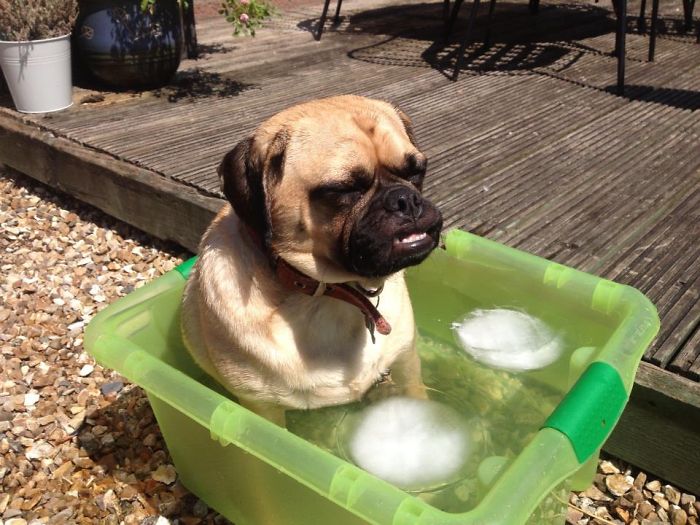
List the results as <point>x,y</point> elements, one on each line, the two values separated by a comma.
<point>445,10</point>
<point>322,22</point>
<point>688,7</point>
<point>465,40</point>
<point>616,9</point>
<point>336,18</point>
<point>642,23</point>
<point>534,6</point>
<point>453,18</point>
<point>487,38</point>
<point>652,34</point>
<point>620,44</point>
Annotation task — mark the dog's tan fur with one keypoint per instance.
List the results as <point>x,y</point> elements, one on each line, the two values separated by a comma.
<point>274,347</point>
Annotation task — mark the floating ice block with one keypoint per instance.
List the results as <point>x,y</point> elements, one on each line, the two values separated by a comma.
<point>508,339</point>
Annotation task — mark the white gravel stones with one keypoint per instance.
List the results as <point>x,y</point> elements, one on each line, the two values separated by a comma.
<point>72,451</point>
<point>31,398</point>
<point>39,450</point>
<point>86,370</point>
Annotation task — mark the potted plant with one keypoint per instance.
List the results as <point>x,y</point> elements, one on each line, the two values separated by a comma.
<point>35,53</point>
<point>132,44</point>
<point>129,44</point>
<point>245,15</point>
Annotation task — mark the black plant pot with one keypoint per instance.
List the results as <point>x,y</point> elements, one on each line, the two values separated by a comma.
<point>125,47</point>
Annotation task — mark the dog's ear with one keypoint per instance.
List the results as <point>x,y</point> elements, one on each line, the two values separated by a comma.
<point>240,175</point>
<point>407,125</point>
<point>276,156</point>
<point>246,176</point>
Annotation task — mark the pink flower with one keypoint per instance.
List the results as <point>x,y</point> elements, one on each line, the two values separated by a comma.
<point>244,18</point>
<point>244,2</point>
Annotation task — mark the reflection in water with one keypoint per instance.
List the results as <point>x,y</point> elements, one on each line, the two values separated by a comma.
<point>502,412</point>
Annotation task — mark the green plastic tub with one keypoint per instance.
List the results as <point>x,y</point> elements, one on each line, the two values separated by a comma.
<point>538,433</point>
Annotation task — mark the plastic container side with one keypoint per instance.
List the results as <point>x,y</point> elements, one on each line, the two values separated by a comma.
<point>107,321</point>
<point>230,423</point>
<point>629,341</point>
<point>562,281</point>
<point>544,463</point>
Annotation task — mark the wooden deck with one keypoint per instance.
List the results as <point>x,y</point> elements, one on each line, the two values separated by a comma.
<point>530,148</point>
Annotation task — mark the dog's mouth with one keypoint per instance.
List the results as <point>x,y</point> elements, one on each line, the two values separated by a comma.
<point>374,251</point>
<point>416,242</point>
<point>412,241</point>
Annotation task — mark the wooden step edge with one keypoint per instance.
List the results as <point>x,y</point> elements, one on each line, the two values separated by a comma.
<point>145,199</point>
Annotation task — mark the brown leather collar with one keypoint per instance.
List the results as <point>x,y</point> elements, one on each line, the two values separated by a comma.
<point>293,279</point>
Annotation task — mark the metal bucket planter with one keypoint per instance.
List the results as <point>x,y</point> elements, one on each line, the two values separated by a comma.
<point>125,47</point>
<point>38,73</point>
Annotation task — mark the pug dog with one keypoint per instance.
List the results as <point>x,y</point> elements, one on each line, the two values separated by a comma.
<point>298,299</point>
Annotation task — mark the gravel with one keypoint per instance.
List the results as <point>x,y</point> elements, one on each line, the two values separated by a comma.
<point>621,494</point>
<point>79,443</point>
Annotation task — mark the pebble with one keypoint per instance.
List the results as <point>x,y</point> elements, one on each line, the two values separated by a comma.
<point>672,495</point>
<point>654,486</point>
<point>86,370</point>
<point>687,499</point>
<point>659,498</point>
<point>39,450</point>
<point>645,508</point>
<point>595,493</point>
<point>165,474</point>
<point>623,514</point>
<point>112,387</point>
<point>640,480</point>
<point>573,516</point>
<point>679,517</point>
<point>619,484</point>
<point>31,398</point>
<point>606,467</point>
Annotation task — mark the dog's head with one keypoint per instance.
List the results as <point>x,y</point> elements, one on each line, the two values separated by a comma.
<point>334,187</point>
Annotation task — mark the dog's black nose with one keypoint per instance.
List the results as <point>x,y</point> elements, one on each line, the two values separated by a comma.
<point>404,201</point>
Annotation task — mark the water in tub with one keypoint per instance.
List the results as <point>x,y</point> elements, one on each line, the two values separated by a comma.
<point>494,373</point>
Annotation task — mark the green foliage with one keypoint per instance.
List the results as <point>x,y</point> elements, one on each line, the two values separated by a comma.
<point>23,20</point>
<point>245,15</point>
<point>150,5</point>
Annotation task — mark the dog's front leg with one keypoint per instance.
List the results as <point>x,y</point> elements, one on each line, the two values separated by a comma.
<point>406,374</point>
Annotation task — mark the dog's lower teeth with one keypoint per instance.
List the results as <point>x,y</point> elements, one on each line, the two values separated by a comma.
<point>414,237</point>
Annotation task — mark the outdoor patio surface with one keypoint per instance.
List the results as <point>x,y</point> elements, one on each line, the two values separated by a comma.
<point>531,147</point>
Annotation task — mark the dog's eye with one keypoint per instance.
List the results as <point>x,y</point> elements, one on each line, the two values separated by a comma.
<point>337,191</point>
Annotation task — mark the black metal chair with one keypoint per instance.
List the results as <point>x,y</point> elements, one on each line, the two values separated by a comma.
<point>688,7</point>
<point>336,18</point>
<point>451,18</point>
<point>620,10</point>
